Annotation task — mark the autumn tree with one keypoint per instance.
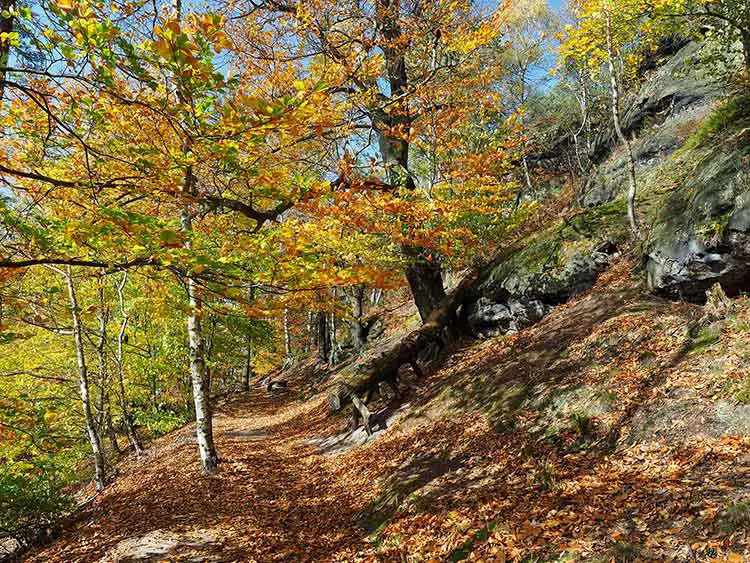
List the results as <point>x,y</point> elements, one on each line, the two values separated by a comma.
<point>387,65</point>
<point>609,34</point>
<point>133,152</point>
<point>525,53</point>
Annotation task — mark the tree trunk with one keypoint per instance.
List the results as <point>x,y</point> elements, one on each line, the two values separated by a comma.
<point>310,339</point>
<point>425,278</point>
<point>334,352</point>
<point>247,372</point>
<point>359,324</point>
<point>422,272</point>
<point>6,26</point>
<point>746,52</point>
<point>88,415</point>
<point>385,367</point>
<point>526,171</point>
<point>615,91</point>
<point>127,417</point>
<point>198,376</point>
<point>288,356</point>
<point>359,338</point>
<point>101,351</point>
<point>585,128</point>
<point>324,341</point>
<point>524,150</point>
<point>110,427</point>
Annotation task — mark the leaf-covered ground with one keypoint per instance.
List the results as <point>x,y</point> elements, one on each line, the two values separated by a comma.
<point>614,430</point>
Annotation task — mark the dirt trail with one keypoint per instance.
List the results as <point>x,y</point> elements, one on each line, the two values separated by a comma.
<point>274,498</point>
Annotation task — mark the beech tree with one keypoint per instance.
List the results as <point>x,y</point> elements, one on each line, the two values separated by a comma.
<point>386,64</point>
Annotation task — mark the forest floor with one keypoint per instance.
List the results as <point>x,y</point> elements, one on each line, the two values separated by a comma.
<point>607,432</point>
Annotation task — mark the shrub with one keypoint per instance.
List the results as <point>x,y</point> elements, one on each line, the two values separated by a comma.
<point>31,501</point>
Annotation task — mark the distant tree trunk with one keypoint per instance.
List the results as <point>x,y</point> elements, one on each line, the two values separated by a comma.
<point>127,417</point>
<point>583,157</point>
<point>101,351</point>
<point>333,348</point>
<point>746,51</point>
<point>310,340</point>
<point>615,91</point>
<point>88,415</point>
<point>324,342</point>
<point>526,171</point>
<point>247,372</point>
<point>334,352</point>
<point>360,325</point>
<point>524,148</point>
<point>288,356</point>
<point>154,389</point>
<point>359,337</point>
<point>209,344</point>
<point>110,427</point>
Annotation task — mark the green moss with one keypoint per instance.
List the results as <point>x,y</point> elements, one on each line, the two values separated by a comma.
<point>693,192</point>
<point>502,410</point>
<point>465,550</point>
<point>734,517</point>
<point>705,338</point>
<point>714,228</point>
<point>581,421</point>
<point>742,392</point>
<point>608,398</point>
<point>732,115</point>
<point>601,222</point>
<point>549,250</point>
<point>621,552</point>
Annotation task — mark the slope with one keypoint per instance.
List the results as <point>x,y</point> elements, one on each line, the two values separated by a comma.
<point>606,430</point>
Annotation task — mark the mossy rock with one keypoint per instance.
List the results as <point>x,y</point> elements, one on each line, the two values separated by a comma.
<point>551,266</point>
<point>701,234</point>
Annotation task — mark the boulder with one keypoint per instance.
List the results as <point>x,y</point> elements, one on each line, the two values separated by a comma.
<point>486,317</point>
<point>701,235</point>
<point>513,297</point>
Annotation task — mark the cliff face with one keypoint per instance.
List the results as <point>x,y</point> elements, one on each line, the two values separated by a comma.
<point>672,99</point>
<point>701,233</point>
<point>692,148</point>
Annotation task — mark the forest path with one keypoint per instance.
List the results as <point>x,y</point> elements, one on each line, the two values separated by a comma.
<point>465,472</point>
<point>274,497</point>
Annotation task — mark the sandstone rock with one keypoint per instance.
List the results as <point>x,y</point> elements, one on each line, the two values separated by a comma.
<point>702,234</point>
<point>512,297</point>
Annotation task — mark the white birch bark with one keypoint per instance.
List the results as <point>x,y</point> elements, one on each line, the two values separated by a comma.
<point>198,376</point>
<point>127,417</point>
<point>615,92</point>
<point>93,435</point>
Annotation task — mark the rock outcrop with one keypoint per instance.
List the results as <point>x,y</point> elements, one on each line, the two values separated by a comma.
<point>702,234</point>
<point>512,297</point>
<point>676,95</point>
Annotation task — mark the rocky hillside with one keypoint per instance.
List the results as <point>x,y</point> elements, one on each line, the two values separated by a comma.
<point>598,418</point>
<point>615,428</point>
